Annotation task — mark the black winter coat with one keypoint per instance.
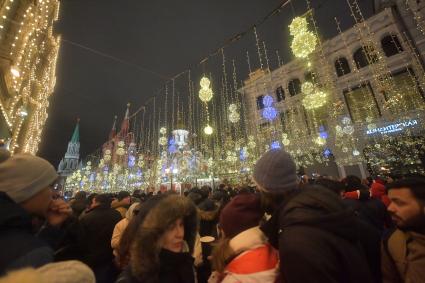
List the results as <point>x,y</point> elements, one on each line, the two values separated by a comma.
<point>95,235</point>
<point>318,240</point>
<point>174,268</point>
<point>18,246</point>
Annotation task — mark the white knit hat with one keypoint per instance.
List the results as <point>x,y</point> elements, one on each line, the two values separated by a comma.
<point>24,175</point>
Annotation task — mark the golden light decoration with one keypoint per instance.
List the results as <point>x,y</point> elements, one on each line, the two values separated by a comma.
<point>162,141</point>
<point>307,88</point>
<point>320,141</point>
<point>234,117</point>
<point>315,100</point>
<point>107,157</point>
<point>163,131</point>
<point>205,82</point>
<point>120,151</point>
<point>205,93</point>
<point>304,44</point>
<point>208,130</point>
<point>298,25</point>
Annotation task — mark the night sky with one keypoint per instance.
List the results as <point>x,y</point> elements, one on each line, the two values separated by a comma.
<point>151,41</point>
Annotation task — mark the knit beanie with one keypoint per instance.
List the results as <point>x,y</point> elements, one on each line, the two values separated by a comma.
<point>241,213</point>
<point>23,175</point>
<point>275,171</point>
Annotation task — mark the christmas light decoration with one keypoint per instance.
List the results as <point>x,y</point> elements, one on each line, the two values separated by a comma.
<point>233,114</point>
<point>208,130</point>
<point>205,93</point>
<point>269,112</point>
<point>304,42</point>
<point>315,100</point>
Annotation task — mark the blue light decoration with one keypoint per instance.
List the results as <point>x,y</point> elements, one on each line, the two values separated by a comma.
<point>139,173</point>
<point>105,170</point>
<point>269,112</point>
<point>242,154</point>
<point>92,177</point>
<point>131,161</point>
<point>172,145</point>
<point>275,145</point>
<point>327,152</point>
<point>322,133</point>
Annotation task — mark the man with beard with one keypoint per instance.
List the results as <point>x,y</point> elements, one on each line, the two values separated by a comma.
<point>403,251</point>
<point>317,236</point>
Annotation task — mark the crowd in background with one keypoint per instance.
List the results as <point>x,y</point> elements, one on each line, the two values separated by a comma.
<point>284,228</point>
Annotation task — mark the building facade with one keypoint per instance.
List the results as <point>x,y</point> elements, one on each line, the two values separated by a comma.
<point>373,75</point>
<point>28,55</point>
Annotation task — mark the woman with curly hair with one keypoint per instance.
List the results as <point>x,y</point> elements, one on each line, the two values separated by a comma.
<point>162,246</point>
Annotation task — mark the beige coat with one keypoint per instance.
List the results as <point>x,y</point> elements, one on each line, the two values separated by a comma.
<point>403,258</point>
<point>120,227</point>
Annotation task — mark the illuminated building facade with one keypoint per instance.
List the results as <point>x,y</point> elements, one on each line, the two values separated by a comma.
<point>28,55</point>
<point>375,71</point>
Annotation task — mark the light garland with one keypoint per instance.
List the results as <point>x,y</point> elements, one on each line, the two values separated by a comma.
<point>304,42</point>
<point>205,93</point>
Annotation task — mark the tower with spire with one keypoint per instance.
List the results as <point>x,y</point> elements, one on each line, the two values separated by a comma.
<point>69,163</point>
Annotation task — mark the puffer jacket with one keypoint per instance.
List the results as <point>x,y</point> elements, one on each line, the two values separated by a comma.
<point>257,261</point>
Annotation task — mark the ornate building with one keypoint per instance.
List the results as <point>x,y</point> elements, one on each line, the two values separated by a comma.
<point>374,77</point>
<point>69,163</point>
<point>28,55</point>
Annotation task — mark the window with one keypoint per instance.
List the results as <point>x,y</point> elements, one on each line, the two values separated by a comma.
<point>310,77</point>
<point>361,103</point>
<point>294,87</point>
<point>260,104</point>
<point>280,94</point>
<point>341,67</point>
<point>391,45</point>
<point>407,86</point>
<point>364,56</point>
<point>282,119</point>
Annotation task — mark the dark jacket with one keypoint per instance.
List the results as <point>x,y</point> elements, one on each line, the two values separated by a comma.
<point>95,235</point>
<point>18,246</point>
<point>173,268</point>
<point>318,240</point>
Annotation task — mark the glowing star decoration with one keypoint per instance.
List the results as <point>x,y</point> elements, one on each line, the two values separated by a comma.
<point>298,25</point>
<point>208,130</point>
<point>163,131</point>
<point>356,152</point>
<point>205,93</point>
<point>269,112</point>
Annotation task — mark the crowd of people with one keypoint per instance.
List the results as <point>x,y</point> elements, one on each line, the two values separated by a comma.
<point>286,228</point>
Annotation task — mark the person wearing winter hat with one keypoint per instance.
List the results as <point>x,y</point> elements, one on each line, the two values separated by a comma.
<point>71,271</point>
<point>25,191</point>
<point>243,254</point>
<point>312,228</point>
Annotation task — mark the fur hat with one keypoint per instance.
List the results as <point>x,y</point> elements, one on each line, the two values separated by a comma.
<point>275,171</point>
<point>61,272</point>
<point>241,213</point>
<point>24,175</point>
<point>146,247</point>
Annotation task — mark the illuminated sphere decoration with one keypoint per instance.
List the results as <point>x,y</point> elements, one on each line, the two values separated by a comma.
<point>205,82</point>
<point>320,141</point>
<point>233,107</point>
<point>307,88</point>
<point>205,94</point>
<point>234,117</point>
<point>163,141</point>
<point>267,101</point>
<point>315,100</point>
<point>163,131</point>
<point>208,130</point>
<point>349,130</point>
<point>304,44</point>
<point>346,120</point>
<point>356,152</point>
<point>269,113</point>
<point>298,25</point>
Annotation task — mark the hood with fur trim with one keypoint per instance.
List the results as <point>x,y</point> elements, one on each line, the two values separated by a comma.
<point>146,247</point>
